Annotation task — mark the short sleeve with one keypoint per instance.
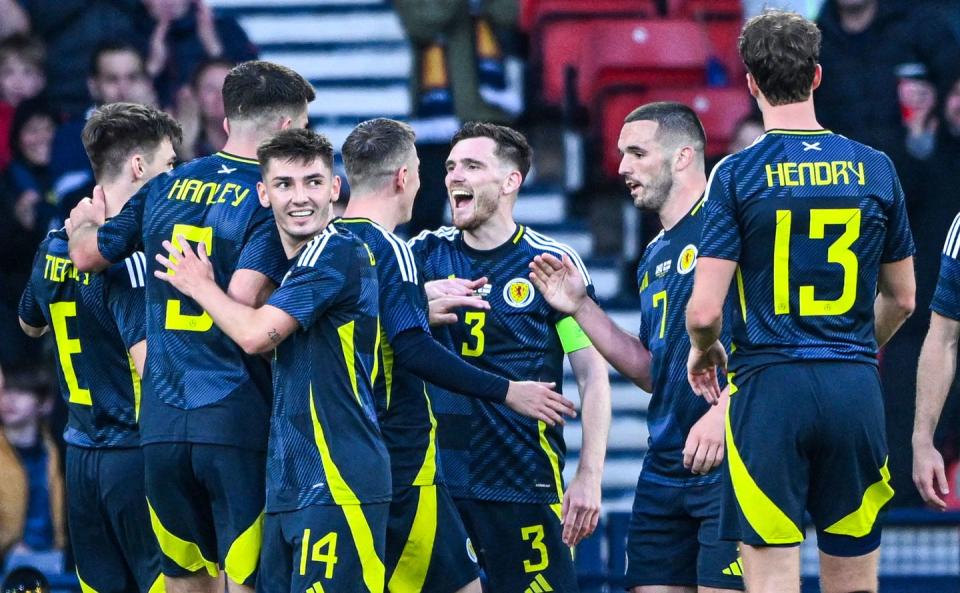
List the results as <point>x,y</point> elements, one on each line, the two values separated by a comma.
<point>29,309</point>
<point>899,240</point>
<point>405,302</point>
<point>946,298</point>
<point>262,250</point>
<point>721,232</point>
<point>317,279</point>
<point>120,236</point>
<point>126,298</point>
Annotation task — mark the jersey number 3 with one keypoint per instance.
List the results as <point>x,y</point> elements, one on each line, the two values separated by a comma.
<point>475,320</point>
<point>838,253</point>
<point>174,318</point>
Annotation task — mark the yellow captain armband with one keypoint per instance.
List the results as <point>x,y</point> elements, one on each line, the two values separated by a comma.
<point>572,337</point>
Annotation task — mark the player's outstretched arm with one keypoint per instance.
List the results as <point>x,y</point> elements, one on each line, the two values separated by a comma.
<point>562,286</point>
<point>704,322</point>
<point>935,373</point>
<point>417,352</point>
<point>896,298</point>
<point>254,330</point>
<point>581,502</point>
<point>85,220</point>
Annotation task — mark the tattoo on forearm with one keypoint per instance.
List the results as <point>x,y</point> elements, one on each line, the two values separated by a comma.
<point>274,336</point>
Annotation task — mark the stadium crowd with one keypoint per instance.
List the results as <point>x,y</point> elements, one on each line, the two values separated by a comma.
<point>891,80</point>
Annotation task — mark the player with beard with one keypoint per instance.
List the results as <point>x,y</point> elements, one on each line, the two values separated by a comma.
<point>328,472</point>
<point>673,544</point>
<point>503,469</point>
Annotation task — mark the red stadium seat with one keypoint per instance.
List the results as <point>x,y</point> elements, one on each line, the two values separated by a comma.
<point>724,36</point>
<point>706,9</point>
<point>666,53</point>
<point>718,109</point>
<point>534,11</point>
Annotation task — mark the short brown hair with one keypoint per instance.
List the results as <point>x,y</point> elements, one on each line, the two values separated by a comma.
<point>258,89</point>
<point>29,49</point>
<point>296,145</point>
<point>781,50</point>
<point>376,148</point>
<point>116,131</point>
<point>677,123</point>
<point>512,146</point>
<point>34,379</point>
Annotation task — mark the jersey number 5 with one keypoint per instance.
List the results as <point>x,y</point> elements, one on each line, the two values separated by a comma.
<point>838,253</point>
<point>174,318</point>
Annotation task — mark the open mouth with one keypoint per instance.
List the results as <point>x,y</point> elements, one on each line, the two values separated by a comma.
<point>461,198</point>
<point>632,185</point>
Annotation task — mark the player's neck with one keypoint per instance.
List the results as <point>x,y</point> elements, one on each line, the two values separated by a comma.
<point>683,195</point>
<point>794,116</point>
<point>494,232</point>
<point>117,193</point>
<point>379,209</point>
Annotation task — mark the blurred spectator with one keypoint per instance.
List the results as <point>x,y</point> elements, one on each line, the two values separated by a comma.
<point>200,110</point>
<point>745,133</point>
<point>116,73</point>
<point>184,33</point>
<point>21,78</point>
<point>864,44</point>
<point>31,137</point>
<point>72,30</point>
<point>14,19</point>
<point>31,482</point>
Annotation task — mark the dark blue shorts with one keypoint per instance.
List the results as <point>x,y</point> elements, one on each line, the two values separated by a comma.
<point>807,436</point>
<point>674,538</point>
<point>427,544</point>
<point>519,546</point>
<point>206,507</point>
<point>113,546</point>
<point>324,548</point>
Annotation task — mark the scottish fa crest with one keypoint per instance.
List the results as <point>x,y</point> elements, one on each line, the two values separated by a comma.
<point>687,260</point>
<point>518,293</point>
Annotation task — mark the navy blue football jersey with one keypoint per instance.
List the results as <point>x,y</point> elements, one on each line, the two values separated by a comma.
<point>488,451</point>
<point>946,299</point>
<point>809,217</point>
<point>403,406</point>
<point>325,446</point>
<point>95,320</point>
<point>665,281</point>
<point>199,386</point>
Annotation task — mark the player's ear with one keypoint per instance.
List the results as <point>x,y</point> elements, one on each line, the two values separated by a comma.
<point>400,179</point>
<point>262,194</point>
<point>512,183</point>
<point>286,122</point>
<point>752,86</point>
<point>335,185</point>
<point>226,126</point>
<point>137,166</point>
<point>685,157</point>
<point>817,77</point>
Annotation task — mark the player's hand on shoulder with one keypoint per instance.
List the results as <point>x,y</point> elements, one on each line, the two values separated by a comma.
<point>703,449</point>
<point>92,210</point>
<point>185,270</point>
<point>929,475</point>
<point>539,401</point>
<point>559,282</point>
<point>580,512</point>
<point>702,369</point>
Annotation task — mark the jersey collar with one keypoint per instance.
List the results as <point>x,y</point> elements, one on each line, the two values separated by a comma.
<point>497,251</point>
